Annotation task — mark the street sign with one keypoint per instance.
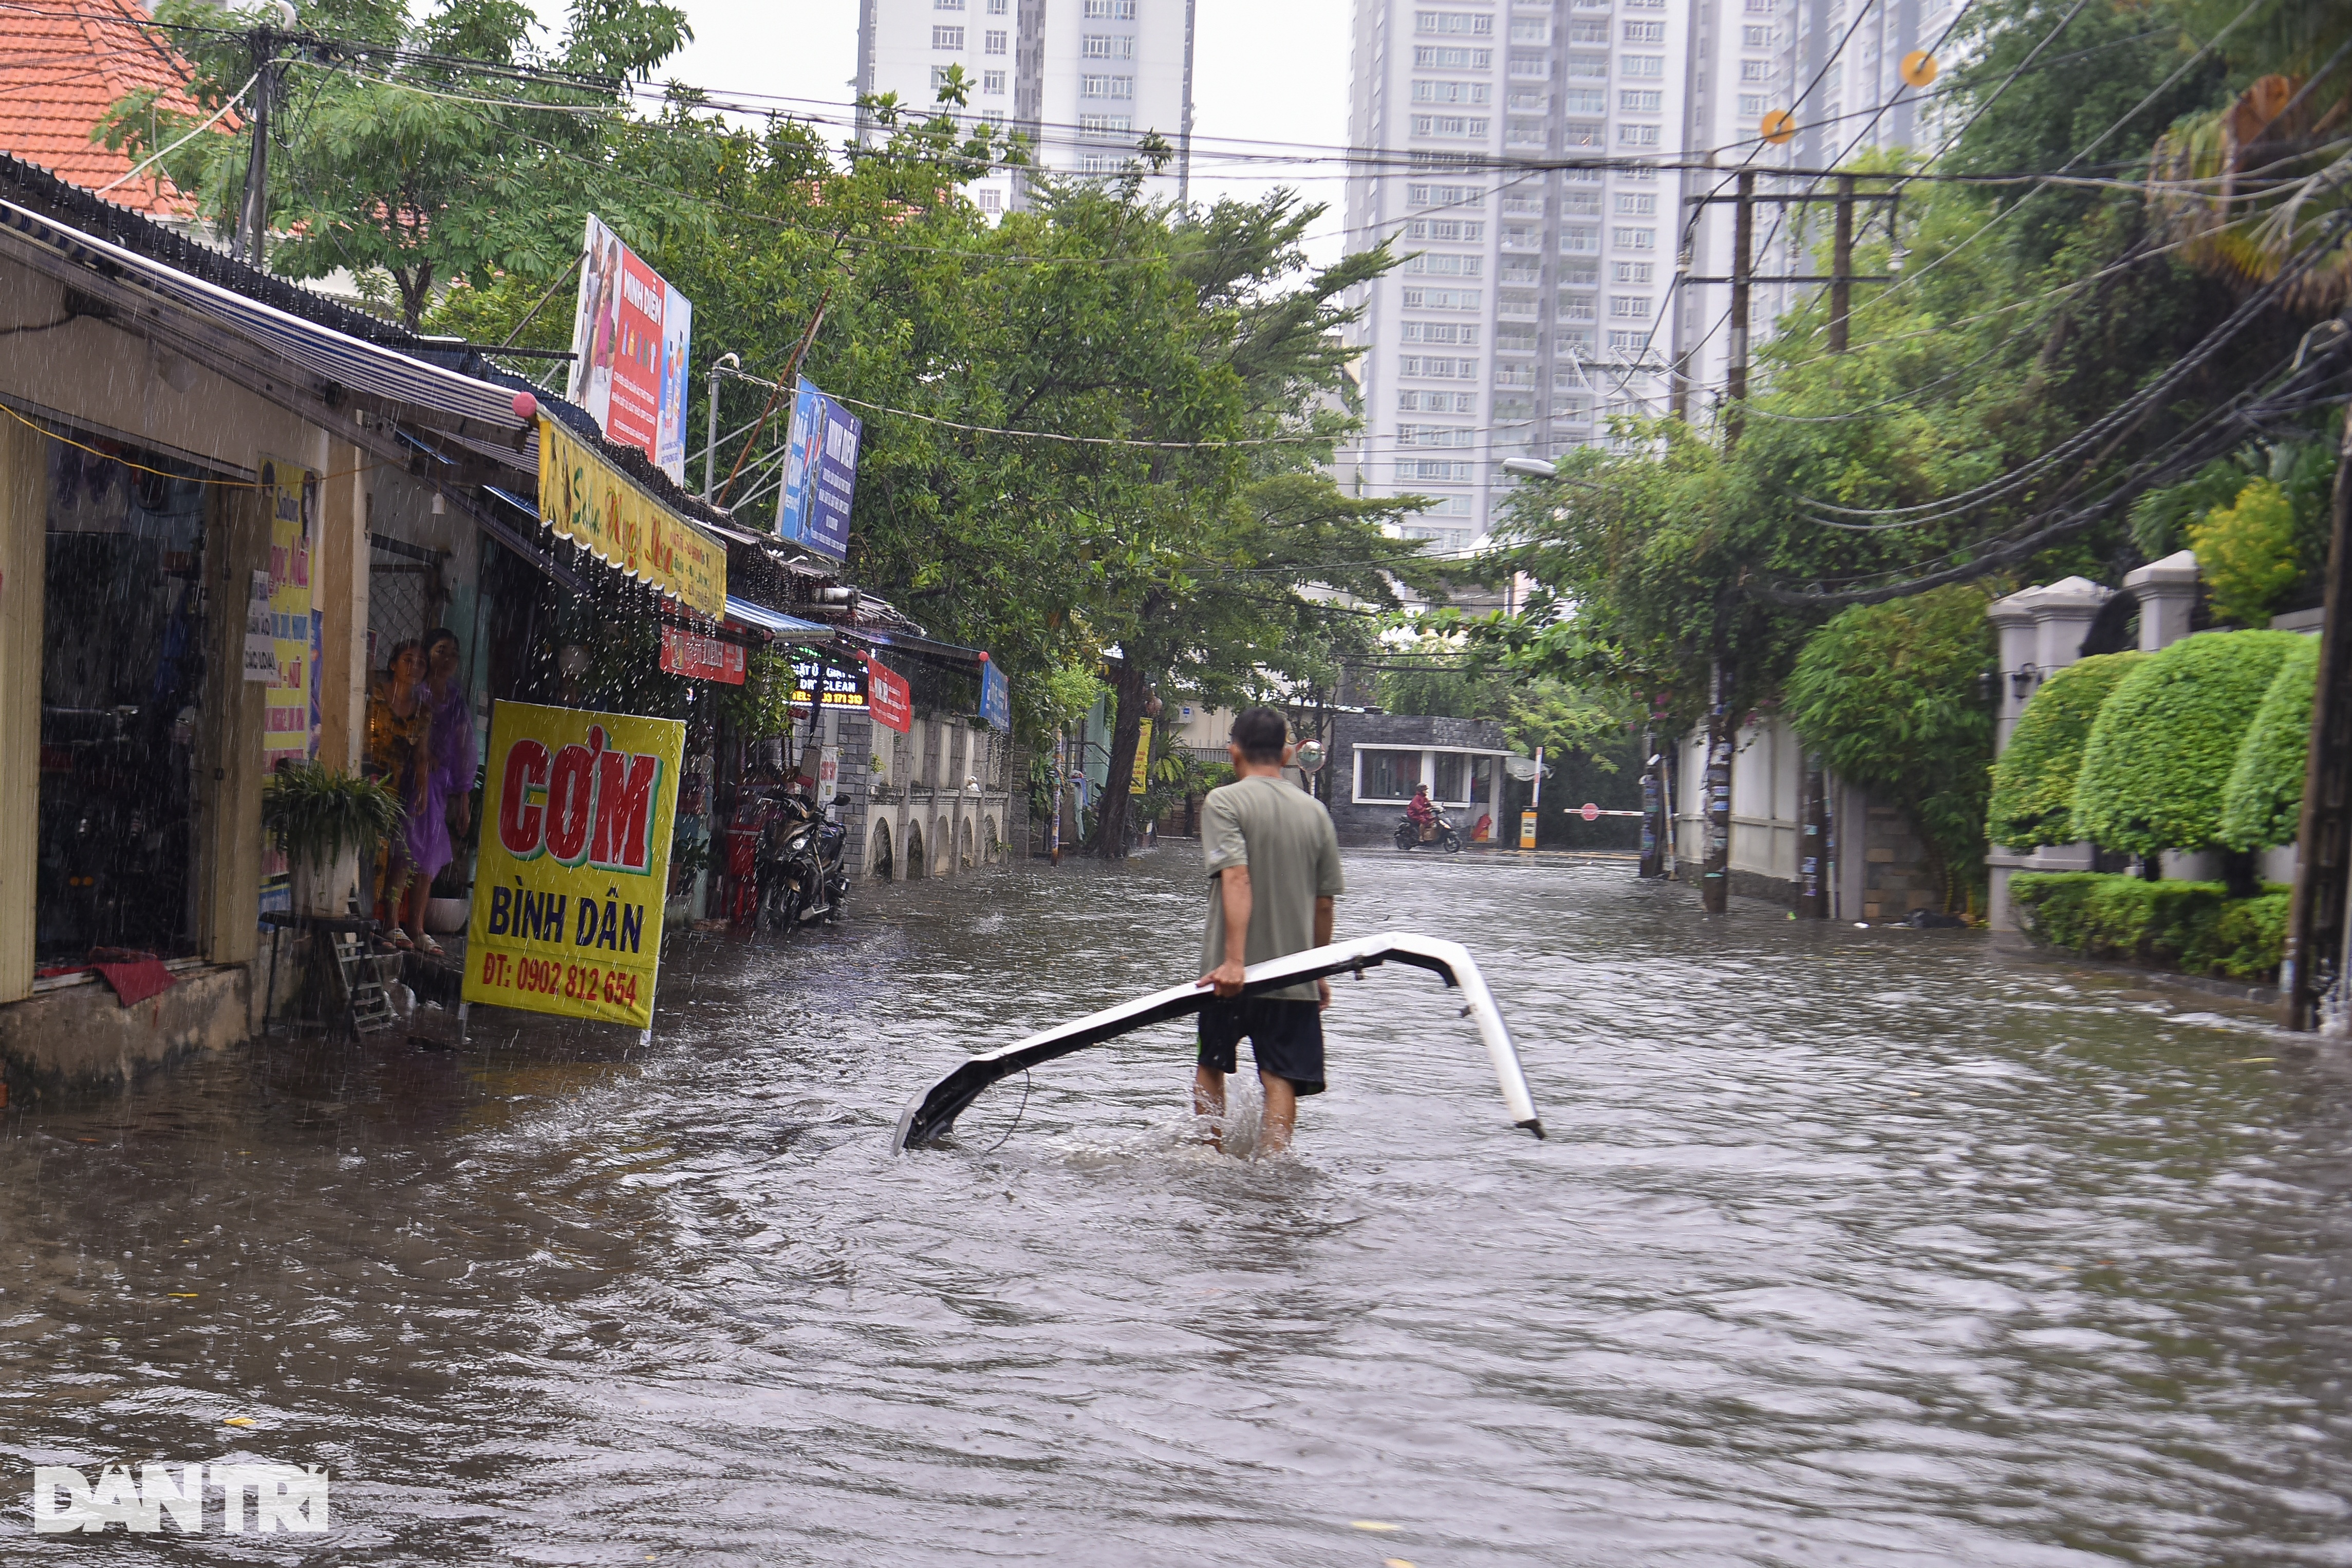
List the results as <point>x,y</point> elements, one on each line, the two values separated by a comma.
<point>1590,813</point>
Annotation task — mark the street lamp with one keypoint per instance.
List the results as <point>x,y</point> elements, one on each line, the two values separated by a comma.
<point>1530,468</point>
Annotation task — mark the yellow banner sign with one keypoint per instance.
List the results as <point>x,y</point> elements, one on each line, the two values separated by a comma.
<point>574,864</point>
<point>291,493</point>
<point>598,507</point>
<point>1141,779</point>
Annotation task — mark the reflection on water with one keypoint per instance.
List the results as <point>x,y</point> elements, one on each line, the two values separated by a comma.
<point>1862,1246</point>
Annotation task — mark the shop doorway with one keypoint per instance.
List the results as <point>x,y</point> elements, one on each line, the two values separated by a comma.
<point>122,679</point>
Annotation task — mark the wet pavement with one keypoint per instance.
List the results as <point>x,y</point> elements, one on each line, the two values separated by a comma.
<point>1848,1247</point>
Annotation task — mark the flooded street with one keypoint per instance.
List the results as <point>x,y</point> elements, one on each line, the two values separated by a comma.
<point>1847,1246</point>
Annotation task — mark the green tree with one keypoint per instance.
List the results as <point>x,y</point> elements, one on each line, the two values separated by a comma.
<point>1890,694</point>
<point>2246,552</point>
<point>2033,802</point>
<point>2157,767</point>
<point>2261,806</point>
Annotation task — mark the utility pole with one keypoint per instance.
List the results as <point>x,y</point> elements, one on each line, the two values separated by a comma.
<point>2313,955</point>
<point>1735,391</point>
<point>1715,873</point>
<point>1653,841</point>
<point>710,449</point>
<point>253,217</point>
<point>1813,843</point>
<point>1842,265</point>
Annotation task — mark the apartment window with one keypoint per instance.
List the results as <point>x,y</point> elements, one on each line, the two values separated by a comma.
<point>1519,307</point>
<point>1644,101</point>
<point>1515,375</point>
<point>1441,299</point>
<point>1755,37</point>
<point>996,7</point>
<point>1452,92</point>
<point>1579,203</point>
<point>1637,204</point>
<point>1521,270</point>
<point>1588,32</point>
<point>1467,22</point>
<point>1530,31</point>
<point>947,38</point>
<point>1097,10</point>
<point>1639,176</point>
<point>1751,105</point>
<point>994,116</point>
<point>1575,308</point>
<point>1521,237</point>
<point>1451,125</point>
<point>1443,265</point>
<point>947,4</point>
<point>991,81</point>
<point>1107,46</point>
<point>992,41</point>
<point>1629,342</point>
<point>1101,164</point>
<point>1445,228</point>
<point>1584,100</point>
<point>1630,307</point>
<point>1645,32</point>
<point>991,199</point>
<point>1632,271</point>
<point>1445,196</point>
<point>1424,470</point>
<point>1438,402</point>
<point>1104,124</point>
<point>1432,58</point>
<point>1093,86</point>
<point>1578,241</point>
<point>1524,133</point>
<point>1530,101</point>
<point>1438,367</point>
<point>1633,238</point>
<point>1441,332</point>
<point>940,77</point>
<point>1580,133</point>
<point>1645,4</point>
<point>1512,410</point>
<point>1588,67</point>
<point>1650,66</point>
<point>1531,68</point>
<point>1435,436</point>
<point>1523,206</point>
<point>1762,8</point>
<point>1576,410</point>
<point>1756,71</point>
<point>1517,339</point>
<point>1637,136</point>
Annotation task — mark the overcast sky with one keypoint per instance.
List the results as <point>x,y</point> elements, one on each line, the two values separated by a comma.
<point>1273,70</point>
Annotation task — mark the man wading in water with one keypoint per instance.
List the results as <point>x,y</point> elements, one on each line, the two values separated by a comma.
<point>1273,870</point>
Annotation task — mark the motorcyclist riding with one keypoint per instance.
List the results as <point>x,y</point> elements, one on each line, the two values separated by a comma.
<point>1422,815</point>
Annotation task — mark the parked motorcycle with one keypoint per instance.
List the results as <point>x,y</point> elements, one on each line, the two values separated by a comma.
<point>1442,836</point>
<point>801,873</point>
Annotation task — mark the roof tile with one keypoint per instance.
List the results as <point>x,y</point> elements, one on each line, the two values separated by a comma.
<point>62,64</point>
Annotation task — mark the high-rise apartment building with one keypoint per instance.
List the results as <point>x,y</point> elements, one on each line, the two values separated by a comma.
<point>1539,297</point>
<point>1083,79</point>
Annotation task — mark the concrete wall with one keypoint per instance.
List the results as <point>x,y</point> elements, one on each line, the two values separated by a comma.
<point>918,794</point>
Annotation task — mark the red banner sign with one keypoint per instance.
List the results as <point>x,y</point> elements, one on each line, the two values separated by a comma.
<point>700,658</point>
<point>888,698</point>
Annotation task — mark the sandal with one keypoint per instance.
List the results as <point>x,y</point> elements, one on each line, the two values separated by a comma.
<point>428,946</point>
<point>399,939</point>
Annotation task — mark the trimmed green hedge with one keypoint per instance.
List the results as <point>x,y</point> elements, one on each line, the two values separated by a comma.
<point>2189,928</point>
<point>2162,749</point>
<point>2263,803</point>
<point>2034,782</point>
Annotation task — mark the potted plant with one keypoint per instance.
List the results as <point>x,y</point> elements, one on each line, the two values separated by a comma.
<point>327,822</point>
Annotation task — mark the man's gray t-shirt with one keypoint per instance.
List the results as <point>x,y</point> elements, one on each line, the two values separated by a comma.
<point>1285,838</point>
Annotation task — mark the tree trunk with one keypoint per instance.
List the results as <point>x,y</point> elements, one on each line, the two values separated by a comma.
<point>1715,878</point>
<point>1813,843</point>
<point>1127,729</point>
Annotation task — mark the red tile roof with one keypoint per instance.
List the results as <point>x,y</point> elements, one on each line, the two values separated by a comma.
<point>62,64</point>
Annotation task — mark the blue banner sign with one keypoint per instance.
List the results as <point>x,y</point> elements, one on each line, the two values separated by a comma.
<point>820,474</point>
<point>995,697</point>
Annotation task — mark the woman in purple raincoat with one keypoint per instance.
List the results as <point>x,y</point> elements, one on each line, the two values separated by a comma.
<point>449,785</point>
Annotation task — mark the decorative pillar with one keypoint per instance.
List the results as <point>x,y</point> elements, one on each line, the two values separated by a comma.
<point>2168,597</point>
<point>2061,615</point>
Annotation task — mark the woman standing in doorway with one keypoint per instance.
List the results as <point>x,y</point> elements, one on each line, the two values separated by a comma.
<point>400,752</point>
<point>447,800</point>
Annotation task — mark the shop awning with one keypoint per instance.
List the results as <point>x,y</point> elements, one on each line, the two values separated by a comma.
<point>750,614</point>
<point>592,503</point>
<point>348,369</point>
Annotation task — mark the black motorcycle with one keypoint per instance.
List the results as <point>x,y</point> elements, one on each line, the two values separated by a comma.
<point>801,874</point>
<point>1442,836</point>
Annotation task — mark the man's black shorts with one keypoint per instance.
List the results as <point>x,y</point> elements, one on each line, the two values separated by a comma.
<point>1285,1036</point>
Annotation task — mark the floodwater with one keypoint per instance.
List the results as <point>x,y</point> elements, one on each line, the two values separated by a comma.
<point>1847,1246</point>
